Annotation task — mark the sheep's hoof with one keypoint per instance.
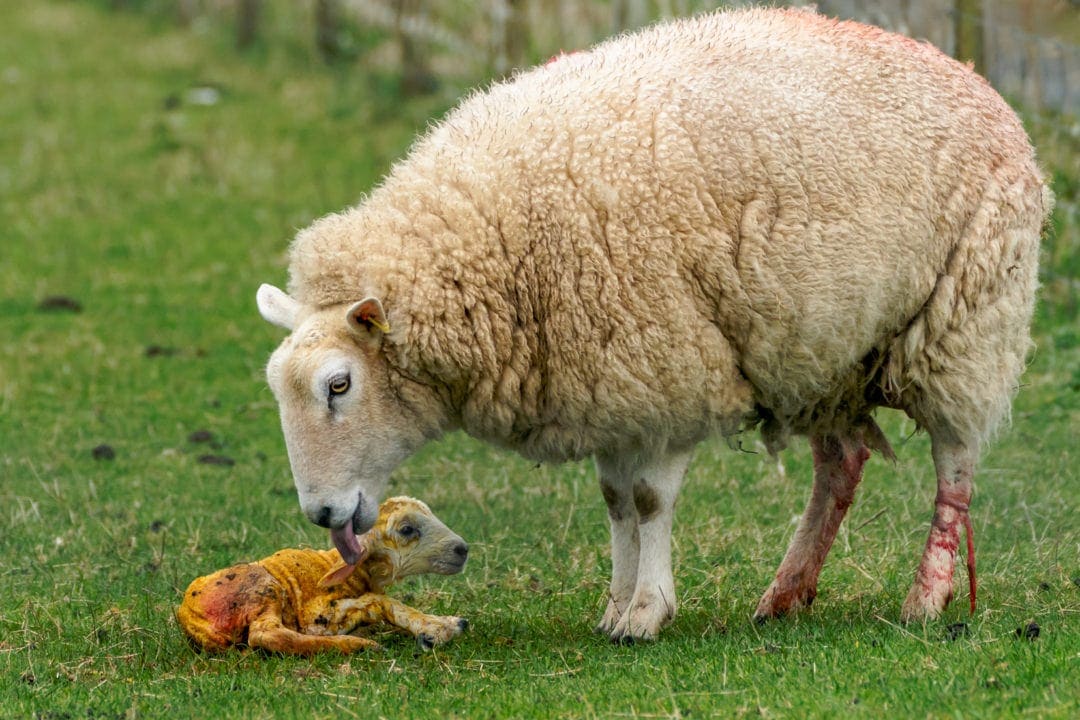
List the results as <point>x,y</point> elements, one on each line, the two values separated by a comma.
<point>923,604</point>
<point>425,642</point>
<point>780,600</point>
<point>611,618</point>
<point>462,625</point>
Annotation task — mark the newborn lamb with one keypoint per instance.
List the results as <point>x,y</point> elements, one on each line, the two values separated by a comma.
<point>302,602</point>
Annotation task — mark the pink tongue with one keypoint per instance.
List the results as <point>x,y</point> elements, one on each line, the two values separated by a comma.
<point>346,543</point>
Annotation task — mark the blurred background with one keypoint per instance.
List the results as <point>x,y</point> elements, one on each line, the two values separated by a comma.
<point>1028,49</point>
<point>396,64</point>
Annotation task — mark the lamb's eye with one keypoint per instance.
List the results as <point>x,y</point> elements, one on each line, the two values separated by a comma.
<point>407,531</point>
<point>339,385</point>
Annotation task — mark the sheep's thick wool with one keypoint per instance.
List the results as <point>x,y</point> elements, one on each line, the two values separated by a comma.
<point>760,215</point>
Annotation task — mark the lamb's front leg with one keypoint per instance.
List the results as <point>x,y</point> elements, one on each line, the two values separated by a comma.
<point>369,608</point>
<point>654,484</point>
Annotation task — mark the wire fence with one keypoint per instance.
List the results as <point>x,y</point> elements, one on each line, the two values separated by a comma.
<point>1028,49</point>
<point>1039,70</point>
<point>492,36</point>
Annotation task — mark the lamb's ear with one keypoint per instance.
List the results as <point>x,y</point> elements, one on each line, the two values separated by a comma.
<point>367,317</point>
<point>336,575</point>
<point>276,307</point>
<point>341,570</point>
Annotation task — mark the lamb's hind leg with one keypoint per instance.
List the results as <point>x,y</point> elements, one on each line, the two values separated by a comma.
<point>267,633</point>
<point>838,466</point>
<point>933,587</point>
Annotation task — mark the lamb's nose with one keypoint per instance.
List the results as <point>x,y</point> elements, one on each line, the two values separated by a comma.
<point>462,551</point>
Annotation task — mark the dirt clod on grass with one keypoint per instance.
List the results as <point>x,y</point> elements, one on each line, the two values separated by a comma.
<point>59,303</point>
<point>216,460</point>
<point>1029,631</point>
<point>103,451</point>
<point>160,351</point>
<point>955,631</point>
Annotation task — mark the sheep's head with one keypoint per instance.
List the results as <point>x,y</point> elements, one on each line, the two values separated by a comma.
<point>345,427</point>
<point>407,539</point>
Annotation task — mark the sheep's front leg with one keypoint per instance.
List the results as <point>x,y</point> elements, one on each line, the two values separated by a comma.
<point>838,467</point>
<point>616,486</point>
<point>652,485</point>
<point>369,608</point>
<point>933,587</point>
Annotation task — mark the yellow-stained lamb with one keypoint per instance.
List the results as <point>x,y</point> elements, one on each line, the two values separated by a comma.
<point>303,601</point>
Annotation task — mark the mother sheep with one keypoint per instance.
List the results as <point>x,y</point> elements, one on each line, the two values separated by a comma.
<point>759,217</point>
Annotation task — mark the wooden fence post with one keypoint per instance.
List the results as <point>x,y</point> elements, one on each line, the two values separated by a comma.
<point>968,26</point>
<point>247,22</point>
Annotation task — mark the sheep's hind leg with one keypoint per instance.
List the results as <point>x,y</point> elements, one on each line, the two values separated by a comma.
<point>933,587</point>
<point>838,467</point>
<point>654,485</point>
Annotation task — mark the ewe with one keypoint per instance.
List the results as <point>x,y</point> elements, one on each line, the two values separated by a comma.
<point>753,218</point>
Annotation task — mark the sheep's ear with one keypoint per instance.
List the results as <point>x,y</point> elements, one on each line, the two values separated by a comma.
<point>367,317</point>
<point>276,307</point>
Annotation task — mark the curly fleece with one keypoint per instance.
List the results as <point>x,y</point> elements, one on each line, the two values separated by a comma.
<point>755,216</point>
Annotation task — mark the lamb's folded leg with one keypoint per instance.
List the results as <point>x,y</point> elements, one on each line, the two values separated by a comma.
<point>933,587</point>
<point>267,633</point>
<point>369,608</point>
<point>838,467</point>
<point>654,486</point>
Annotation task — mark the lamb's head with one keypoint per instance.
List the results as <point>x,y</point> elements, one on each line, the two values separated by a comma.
<point>413,541</point>
<point>407,539</point>
<point>345,427</point>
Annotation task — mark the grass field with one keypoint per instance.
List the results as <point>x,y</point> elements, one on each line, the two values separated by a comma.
<point>154,178</point>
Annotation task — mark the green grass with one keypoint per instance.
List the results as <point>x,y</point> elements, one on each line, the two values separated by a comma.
<point>161,216</point>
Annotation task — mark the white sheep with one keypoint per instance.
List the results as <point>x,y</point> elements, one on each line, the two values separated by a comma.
<point>753,217</point>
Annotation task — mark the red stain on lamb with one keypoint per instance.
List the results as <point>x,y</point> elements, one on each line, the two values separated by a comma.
<point>232,601</point>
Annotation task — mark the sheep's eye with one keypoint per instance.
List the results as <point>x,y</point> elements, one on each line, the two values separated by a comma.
<point>339,385</point>
<point>407,531</point>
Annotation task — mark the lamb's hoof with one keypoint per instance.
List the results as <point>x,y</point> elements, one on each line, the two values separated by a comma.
<point>462,625</point>
<point>425,642</point>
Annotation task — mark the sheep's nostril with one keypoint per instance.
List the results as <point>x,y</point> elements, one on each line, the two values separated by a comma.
<point>461,550</point>
<point>323,518</point>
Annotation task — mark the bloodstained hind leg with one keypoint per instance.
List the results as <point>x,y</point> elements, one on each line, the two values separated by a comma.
<point>838,467</point>
<point>933,588</point>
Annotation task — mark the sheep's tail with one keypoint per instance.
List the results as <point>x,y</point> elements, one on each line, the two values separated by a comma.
<point>957,366</point>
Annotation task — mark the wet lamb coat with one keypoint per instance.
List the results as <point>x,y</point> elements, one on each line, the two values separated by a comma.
<point>654,241</point>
